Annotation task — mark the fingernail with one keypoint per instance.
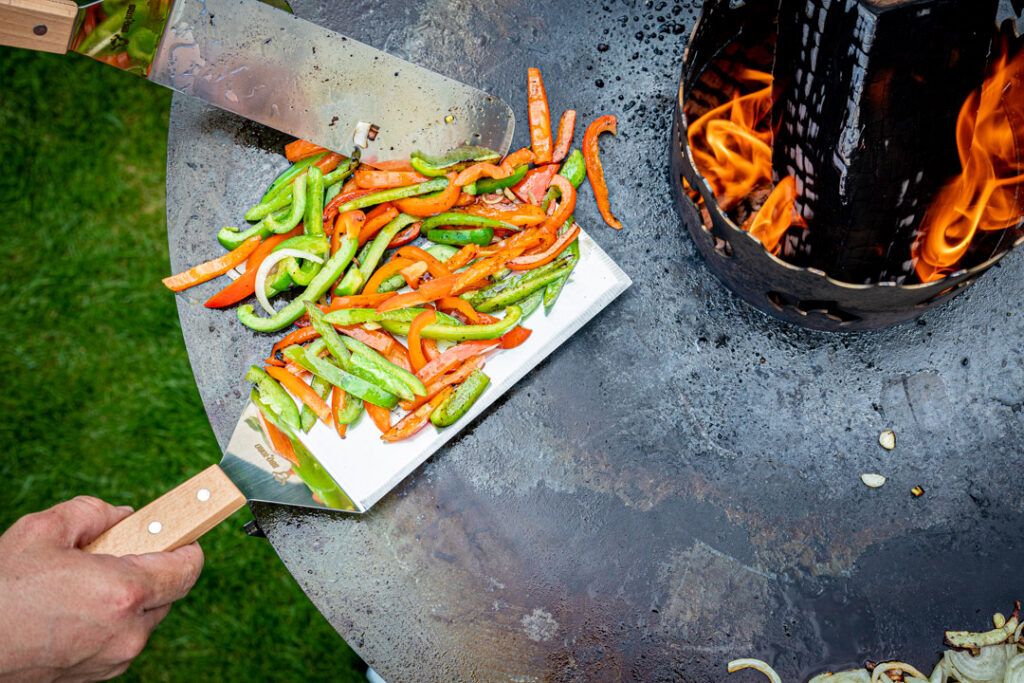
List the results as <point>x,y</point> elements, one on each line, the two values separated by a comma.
<point>126,508</point>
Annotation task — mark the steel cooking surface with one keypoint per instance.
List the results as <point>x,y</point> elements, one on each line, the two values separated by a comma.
<point>679,484</point>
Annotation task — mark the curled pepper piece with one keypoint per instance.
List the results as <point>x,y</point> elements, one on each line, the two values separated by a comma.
<point>211,269</point>
<point>384,272</point>
<point>566,127</point>
<point>439,203</point>
<point>540,117</point>
<point>416,420</point>
<point>478,171</point>
<point>488,185</point>
<point>551,253</point>
<point>521,156</point>
<point>456,303</point>
<point>436,268</point>
<point>406,236</point>
<point>531,190</point>
<point>595,171</point>
<point>416,357</point>
<point>565,207</point>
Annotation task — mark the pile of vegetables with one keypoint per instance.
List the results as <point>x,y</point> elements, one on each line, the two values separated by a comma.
<point>995,656</point>
<point>399,267</point>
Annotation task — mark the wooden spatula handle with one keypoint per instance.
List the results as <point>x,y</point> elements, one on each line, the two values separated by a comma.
<point>176,518</point>
<point>43,25</point>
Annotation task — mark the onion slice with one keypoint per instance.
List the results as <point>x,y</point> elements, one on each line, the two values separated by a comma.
<point>886,667</point>
<point>271,261</point>
<point>737,664</point>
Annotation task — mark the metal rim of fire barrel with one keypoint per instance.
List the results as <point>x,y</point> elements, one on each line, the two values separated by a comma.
<point>800,295</point>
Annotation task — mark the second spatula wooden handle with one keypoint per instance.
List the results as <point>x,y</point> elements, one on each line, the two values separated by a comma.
<point>176,518</point>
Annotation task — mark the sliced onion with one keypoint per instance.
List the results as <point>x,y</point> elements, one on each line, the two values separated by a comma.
<point>1015,670</point>
<point>987,667</point>
<point>271,261</point>
<point>737,664</point>
<point>851,676</point>
<point>885,667</point>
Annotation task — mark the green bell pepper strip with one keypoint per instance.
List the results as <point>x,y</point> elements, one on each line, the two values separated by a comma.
<point>524,288</point>
<point>461,400</point>
<point>574,169</point>
<point>431,166</point>
<point>261,211</point>
<point>307,417</point>
<point>488,185</point>
<point>352,411</point>
<point>316,244</point>
<point>403,375</point>
<point>290,172</point>
<point>506,283</point>
<point>331,191</point>
<point>330,272</point>
<point>372,256</point>
<point>275,397</point>
<point>352,282</point>
<point>362,366</point>
<point>313,221</point>
<point>329,335</point>
<point>281,196</point>
<point>304,274</point>
<point>481,236</point>
<point>393,194</point>
<point>458,333</point>
<point>530,304</point>
<point>452,218</point>
<point>231,238</point>
<point>442,252</point>
<point>356,386</point>
<point>297,210</point>
<point>358,316</point>
<point>553,289</point>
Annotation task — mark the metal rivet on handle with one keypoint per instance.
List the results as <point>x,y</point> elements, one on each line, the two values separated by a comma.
<point>155,527</point>
<point>203,495</point>
<point>39,29</point>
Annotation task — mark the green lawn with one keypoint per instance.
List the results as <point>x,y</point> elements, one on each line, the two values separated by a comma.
<point>99,396</point>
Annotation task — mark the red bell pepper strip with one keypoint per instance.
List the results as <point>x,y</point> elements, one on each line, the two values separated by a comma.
<point>540,117</point>
<point>370,179</point>
<point>211,269</point>
<point>357,301</point>
<point>300,149</point>
<point>566,127</point>
<point>566,205</point>
<point>329,162</point>
<point>301,391</point>
<point>390,268</point>
<point>338,399</point>
<point>256,257</point>
<point>428,291</point>
<point>595,171</point>
<point>299,336</point>
<point>416,420</point>
<point>427,317</point>
<point>459,305</point>
<point>530,261</point>
<point>380,416</point>
<point>521,156</point>
<point>376,219</point>
<point>430,349</point>
<point>375,339</point>
<point>453,356</point>
<point>349,224</point>
<point>281,444</point>
<point>245,284</point>
<point>514,337</point>
<point>406,236</point>
<point>398,354</point>
<point>460,375</point>
<point>531,188</point>
<point>428,206</point>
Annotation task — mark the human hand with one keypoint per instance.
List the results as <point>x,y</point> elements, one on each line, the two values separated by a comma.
<point>72,616</point>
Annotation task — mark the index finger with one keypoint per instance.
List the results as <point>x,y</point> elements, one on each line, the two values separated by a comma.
<point>167,576</point>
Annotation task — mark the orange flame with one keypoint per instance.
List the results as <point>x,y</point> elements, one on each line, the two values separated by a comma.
<point>989,192</point>
<point>776,215</point>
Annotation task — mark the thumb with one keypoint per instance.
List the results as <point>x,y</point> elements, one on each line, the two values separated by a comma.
<point>84,518</point>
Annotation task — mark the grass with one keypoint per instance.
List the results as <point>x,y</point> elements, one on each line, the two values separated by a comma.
<point>99,396</point>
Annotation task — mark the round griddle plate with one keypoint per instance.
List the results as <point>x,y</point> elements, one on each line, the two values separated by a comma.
<point>679,484</point>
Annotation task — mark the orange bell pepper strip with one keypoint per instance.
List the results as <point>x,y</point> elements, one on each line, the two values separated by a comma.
<point>566,205</point>
<point>299,336</point>
<point>390,268</point>
<point>329,162</point>
<point>437,269</point>
<point>338,399</point>
<point>466,199</point>
<point>373,338</point>
<point>460,375</point>
<point>532,187</point>
<point>416,357</point>
<point>521,156</point>
<point>399,355</point>
<point>540,117</point>
<point>211,269</point>
<point>459,305</point>
<point>430,350</point>
<point>349,224</point>
<point>368,179</point>
<point>431,290</point>
<point>392,165</point>
<point>530,261</point>
<point>417,419</point>
<point>478,171</point>
<point>453,356</point>
<point>357,301</point>
<point>514,337</point>
<point>462,257</point>
<point>406,236</point>
<point>375,220</point>
<point>380,416</point>
<point>281,444</point>
<point>245,284</point>
<point>519,215</point>
<point>301,149</point>
<point>566,128</point>
<point>428,206</point>
<point>413,273</point>
<point>301,391</point>
<point>595,171</point>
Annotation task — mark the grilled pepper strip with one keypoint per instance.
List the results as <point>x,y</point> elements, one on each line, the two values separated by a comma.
<point>350,410</point>
<point>563,142</point>
<point>330,336</point>
<point>232,238</point>
<point>339,378</point>
<point>368,263</point>
<point>553,289</point>
<point>417,419</point>
<point>403,375</point>
<point>454,218</point>
<point>307,417</point>
<point>278,200</point>
<point>288,174</point>
<point>314,218</point>
<point>507,283</point>
<point>524,289</point>
<point>488,185</point>
<point>297,210</point>
<point>330,272</point>
<point>393,194</point>
<point>352,283</point>
<point>461,400</point>
<point>481,236</point>
<point>357,316</point>
<point>362,366</point>
<point>274,396</point>
<point>437,166</point>
<point>540,117</point>
<point>595,171</point>
<point>575,169</point>
<point>211,269</point>
<point>459,333</point>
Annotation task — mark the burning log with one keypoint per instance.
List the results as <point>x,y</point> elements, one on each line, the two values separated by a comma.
<point>867,94</point>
